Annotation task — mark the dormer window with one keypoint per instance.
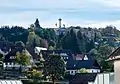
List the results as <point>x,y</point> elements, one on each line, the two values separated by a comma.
<point>12,57</point>
<point>66,57</point>
<point>63,54</point>
<point>85,57</point>
<point>53,53</point>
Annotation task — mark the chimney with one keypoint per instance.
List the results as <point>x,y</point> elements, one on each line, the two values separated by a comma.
<point>60,22</point>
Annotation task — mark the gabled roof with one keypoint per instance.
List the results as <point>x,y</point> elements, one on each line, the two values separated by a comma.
<point>82,78</point>
<point>32,52</point>
<point>11,49</point>
<point>82,56</point>
<point>115,55</point>
<point>48,52</point>
<point>10,56</point>
<point>78,64</point>
<point>5,46</point>
<point>56,51</point>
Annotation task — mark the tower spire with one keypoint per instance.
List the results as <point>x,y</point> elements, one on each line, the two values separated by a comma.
<point>60,20</point>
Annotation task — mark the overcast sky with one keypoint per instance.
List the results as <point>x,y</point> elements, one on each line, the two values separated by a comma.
<point>95,13</point>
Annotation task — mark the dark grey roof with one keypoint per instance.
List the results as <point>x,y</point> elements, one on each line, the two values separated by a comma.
<point>89,56</point>
<point>115,53</point>
<point>78,64</point>
<point>12,53</point>
<point>57,51</point>
<point>74,64</point>
<point>32,52</point>
<point>6,46</point>
<point>82,78</point>
<point>48,52</point>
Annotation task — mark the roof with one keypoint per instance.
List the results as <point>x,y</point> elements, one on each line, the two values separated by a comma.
<point>57,51</point>
<point>10,57</point>
<point>32,52</point>
<point>11,82</point>
<point>78,64</point>
<point>40,48</point>
<point>11,49</point>
<point>5,46</point>
<point>60,52</point>
<point>114,55</point>
<point>82,56</point>
<point>82,78</point>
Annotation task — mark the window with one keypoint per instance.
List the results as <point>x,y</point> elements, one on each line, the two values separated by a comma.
<point>68,72</point>
<point>66,57</point>
<point>85,57</point>
<point>8,63</point>
<point>92,71</point>
<point>12,57</point>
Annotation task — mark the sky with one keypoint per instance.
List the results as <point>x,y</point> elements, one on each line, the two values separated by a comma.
<point>84,13</point>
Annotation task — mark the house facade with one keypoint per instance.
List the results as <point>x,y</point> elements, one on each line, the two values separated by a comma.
<point>115,58</point>
<point>82,63</point>
<point>65,54</point>
<point>75,62</point>
<point>8,51</point>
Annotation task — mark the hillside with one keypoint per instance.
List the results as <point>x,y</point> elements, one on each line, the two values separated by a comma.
<point>98,42</point>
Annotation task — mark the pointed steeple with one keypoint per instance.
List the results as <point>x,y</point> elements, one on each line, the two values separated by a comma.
<point>37,25</point>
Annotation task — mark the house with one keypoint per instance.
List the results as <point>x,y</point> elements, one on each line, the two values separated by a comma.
<point>115,58</point>
<point>82,61</point>
<point>5,47</point>
<point>75,62</point>
<point>65,54</point>
<point>9,50</point>
<point>61,31</point>
<point>35,53</point>
<point>38,50</point>
<point>74,66</point>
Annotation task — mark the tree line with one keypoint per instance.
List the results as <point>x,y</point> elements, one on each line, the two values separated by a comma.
<point>98,42</point>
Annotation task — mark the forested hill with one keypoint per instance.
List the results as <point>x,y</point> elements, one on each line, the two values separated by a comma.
<point>99,42</point>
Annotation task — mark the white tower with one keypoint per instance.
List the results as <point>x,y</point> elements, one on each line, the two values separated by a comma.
<point>60,22</point>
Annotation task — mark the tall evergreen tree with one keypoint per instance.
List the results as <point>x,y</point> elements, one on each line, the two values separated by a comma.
<point>90,45</point>
<point>70,41</point>
<point>81,42</point>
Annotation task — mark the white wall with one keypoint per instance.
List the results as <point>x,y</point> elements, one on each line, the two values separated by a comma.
<point>73,72</point>
<point>93,70</point>
<point>10,65</point>
<point>11,82</point>
<point>104,78</point>
<point>38,49</point>
<point>117,71</point>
